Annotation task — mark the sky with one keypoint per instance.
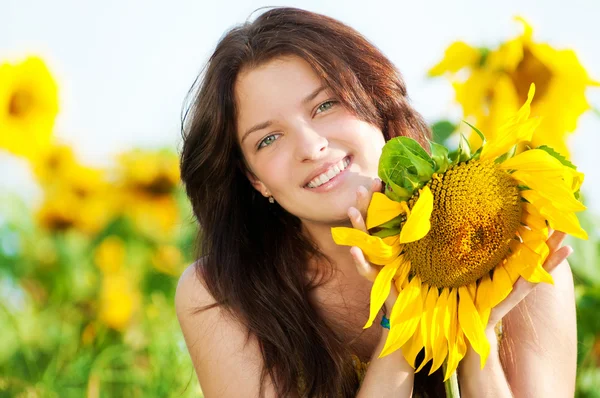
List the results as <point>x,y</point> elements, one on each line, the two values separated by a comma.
<point>124,68</point>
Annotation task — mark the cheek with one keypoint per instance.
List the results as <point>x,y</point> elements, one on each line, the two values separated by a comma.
<point>371,142</point>
<point>274,171</point>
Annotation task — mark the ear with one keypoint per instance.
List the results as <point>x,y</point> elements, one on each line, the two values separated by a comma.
<point>257,184</point>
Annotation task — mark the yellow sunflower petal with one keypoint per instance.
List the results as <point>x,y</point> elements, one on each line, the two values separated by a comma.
<point>450,316</point>
<point>393,240</point>
<point>457,56</point>
<point>533,242</point>
<point>427,324</point>
<point>537,274</point>
<point>382,209</point>
<point>532,269</point>
<point>559,220</point>
<point>405,317</point>
<point>532,218</point>
<point>438,337</point>
<point>471,324</point>
<point>402,273</point>
<point>501,285</point>
<point>455,354</point>
<point>533,160</point>
<point>454,335</point>
<point>381,288</point>
<point>528,264</point>
<point>418,223</point>
<point>482,298</point>
<point>573,178</point>
<point>515,130</point>
<point>374,248</point>
<point>531,234</point>
<point>413,346</point>
<point>554,190</point>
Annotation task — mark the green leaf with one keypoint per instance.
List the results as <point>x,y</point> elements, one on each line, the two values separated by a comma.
<point>479,133</point>
<point>388,228</point>
<point>464,149</point>
<point>396,192</point>
<point>385,232</point>
<point>442,130</point>
<point>439,154</point>
<point>402,158</point>
<point>485,52</point>
<point>394,223</point>
<point>558,156</point>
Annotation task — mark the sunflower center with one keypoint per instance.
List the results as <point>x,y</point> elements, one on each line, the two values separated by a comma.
<point>531,70</point>
<point>19,104</point>
<point>476,213</point>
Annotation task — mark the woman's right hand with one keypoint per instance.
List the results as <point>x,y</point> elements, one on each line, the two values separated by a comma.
<point>392,375</point>
<point>357,217</point>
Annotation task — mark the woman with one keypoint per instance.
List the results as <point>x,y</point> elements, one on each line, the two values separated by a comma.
<point>281,143</point>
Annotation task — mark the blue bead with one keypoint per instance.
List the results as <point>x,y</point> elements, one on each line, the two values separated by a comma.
<point>385,322</point>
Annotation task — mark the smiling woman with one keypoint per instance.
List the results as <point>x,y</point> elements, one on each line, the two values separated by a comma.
<point>282,142</point>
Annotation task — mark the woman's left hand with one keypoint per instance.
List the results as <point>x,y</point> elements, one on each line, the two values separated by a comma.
<point>522,287</point>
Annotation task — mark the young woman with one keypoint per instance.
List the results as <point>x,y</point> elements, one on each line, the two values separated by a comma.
<point>281,143</point>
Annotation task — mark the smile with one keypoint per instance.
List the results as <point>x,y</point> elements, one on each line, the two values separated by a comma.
<point>330,173</point>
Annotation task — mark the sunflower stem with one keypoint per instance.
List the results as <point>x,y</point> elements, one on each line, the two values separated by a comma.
<point>451,385</point>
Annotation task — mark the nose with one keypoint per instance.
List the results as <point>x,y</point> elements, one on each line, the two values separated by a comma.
<point>310,144</point>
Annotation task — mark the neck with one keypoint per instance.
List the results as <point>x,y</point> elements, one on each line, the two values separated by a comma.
<point>340,256</point>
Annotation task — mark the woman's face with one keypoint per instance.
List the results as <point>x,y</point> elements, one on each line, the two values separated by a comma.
<point>301,145</point>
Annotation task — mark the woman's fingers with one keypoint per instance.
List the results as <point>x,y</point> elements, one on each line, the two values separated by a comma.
<point>555,239</point>
<point>363,196</point>
<point>364,268</point>
<point>522,287</point>
<point>356,219</point>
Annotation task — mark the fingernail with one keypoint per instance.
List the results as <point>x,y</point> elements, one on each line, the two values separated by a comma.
<point>352,212</point>
<point>362,191</point>
<point>569,251</point>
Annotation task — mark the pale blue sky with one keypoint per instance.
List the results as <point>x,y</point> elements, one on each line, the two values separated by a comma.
<point>124,67</point>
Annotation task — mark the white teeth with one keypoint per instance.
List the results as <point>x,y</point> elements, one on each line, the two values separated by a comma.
<point>329,174</point>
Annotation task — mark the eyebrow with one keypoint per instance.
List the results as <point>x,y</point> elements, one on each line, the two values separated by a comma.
<point>268,123</point>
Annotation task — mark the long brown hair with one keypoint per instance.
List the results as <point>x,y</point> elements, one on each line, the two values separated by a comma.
<point>255,255</point>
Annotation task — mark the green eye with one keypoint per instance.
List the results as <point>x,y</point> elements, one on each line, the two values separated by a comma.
<point>325,106</point>
<point>268,140</point>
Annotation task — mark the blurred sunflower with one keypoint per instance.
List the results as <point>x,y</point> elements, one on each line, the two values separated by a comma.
<point>119,300</point>
<point>109,256</point>
<point>28,106</point>
<point>80,198</point>
<point>498,81</point>
<point>168,260</point>
<point>455,233</point>
<point>148,181</point>
<point>53,163</point>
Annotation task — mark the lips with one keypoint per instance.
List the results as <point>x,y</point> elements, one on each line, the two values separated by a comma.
<point>325,168</point>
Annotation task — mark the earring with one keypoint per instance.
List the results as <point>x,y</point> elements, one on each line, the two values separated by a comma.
<point>271,200</point>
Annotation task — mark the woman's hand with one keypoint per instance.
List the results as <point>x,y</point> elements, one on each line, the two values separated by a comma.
<point>522,288</point>
<point>357,218</point>
<point>392,375</point>
<point>492,378</point>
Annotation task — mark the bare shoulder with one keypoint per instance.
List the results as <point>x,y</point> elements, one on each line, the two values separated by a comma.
<point>217,343</point>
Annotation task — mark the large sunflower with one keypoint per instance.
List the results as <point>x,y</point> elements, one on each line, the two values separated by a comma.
<point>28,106</point>
<point>497,81</point>
<point>454,233</point>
